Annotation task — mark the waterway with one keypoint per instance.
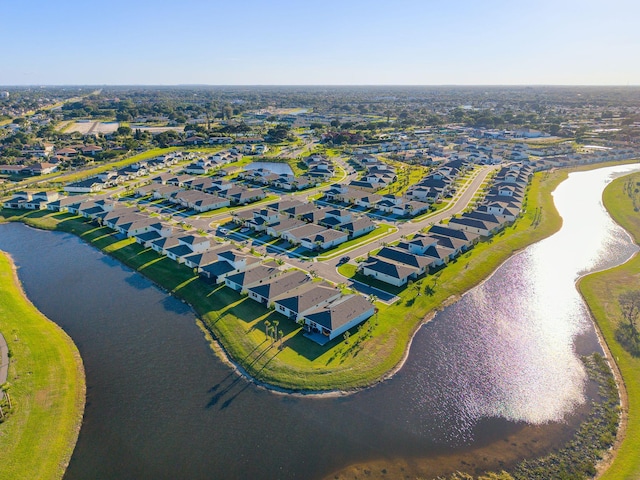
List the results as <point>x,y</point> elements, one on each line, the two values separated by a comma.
<point>273,167</point>
<point>490,379</point>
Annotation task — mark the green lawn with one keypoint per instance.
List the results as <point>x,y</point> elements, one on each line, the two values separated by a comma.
<point>47,388</point>
<point>601,291</point>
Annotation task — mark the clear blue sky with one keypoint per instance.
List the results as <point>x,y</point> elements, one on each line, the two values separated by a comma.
<point>310,42</point>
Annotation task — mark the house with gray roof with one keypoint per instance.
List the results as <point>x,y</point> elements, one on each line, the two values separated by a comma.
<point>324,240</point>
<point>308,296</point>
<point>207,257</point>
<point>283,225</point>
<point>388,271</point>
<point>241,282</point>
<point>358,227</point>
<point>295,235</point>
<point>400,255</point>
<point>229,263</point>
<point>335,318</point>
<point>266,292</point>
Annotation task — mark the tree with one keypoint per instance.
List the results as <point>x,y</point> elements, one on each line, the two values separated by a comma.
<point>267,327</point>
<point>630,306</point>
<point>274,329</point>
<point>123,130</point>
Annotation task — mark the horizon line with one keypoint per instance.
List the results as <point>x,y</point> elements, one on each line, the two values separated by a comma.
<point>373,85</point>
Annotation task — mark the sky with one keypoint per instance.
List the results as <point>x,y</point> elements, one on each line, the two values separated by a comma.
<point>310,42</point>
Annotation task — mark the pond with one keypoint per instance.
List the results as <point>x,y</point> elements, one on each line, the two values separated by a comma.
<point>273,167</point>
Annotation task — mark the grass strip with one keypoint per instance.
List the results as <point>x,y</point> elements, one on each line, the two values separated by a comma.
<point>601,291</point>
<point>47,388</point>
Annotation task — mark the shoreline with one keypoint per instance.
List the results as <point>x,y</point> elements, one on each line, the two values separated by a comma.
<point>595,289</point>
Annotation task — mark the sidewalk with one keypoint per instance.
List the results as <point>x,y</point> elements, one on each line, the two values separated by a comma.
<point>4,362</point>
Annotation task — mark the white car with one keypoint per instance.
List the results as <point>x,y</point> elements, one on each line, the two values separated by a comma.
<point>224,231</point>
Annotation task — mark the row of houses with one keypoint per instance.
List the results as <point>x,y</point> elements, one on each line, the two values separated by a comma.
<point>377,174</point>
<point>203,166</point>
<point>114,177</point>
<point>39,168</point>
<point>584,158</point>
<point>435,186</point>
<point>305,224</point>
<point>31,201</point>
<point>399,205</point>
<point>199,193</point>
<point>399,264</point>
<point>283,181</point>
<point>320,307</point>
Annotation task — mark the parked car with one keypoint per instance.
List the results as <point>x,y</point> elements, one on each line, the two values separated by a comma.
<point>245,230</point>
<point>344,260</point>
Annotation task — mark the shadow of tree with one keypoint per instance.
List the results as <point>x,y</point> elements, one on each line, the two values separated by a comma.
<point>629,338</point>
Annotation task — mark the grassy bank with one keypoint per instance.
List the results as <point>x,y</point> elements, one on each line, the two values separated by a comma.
<point>47,388</point>
<point>373,350</point>
<point>601,291</point>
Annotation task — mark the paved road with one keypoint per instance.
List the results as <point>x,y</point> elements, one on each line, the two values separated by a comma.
<point>4,362</point>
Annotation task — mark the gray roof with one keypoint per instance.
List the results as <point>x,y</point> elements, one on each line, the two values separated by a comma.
<point>307,296</point>
<point>390,267</point>
<point>452,232</point>
<point>254,275</point>
<point>340,312</point>
<point>402,256</point>
<point>279,285</point>
<point>207,257</point>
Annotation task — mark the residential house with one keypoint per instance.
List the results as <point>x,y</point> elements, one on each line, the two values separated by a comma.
<point>337,317</point>
<point>304,298</point>
<point>241,282</point>
<point>388,271</point>
<point>266,292</point>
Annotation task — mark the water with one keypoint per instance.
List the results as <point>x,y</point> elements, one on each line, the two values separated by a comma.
<point>499,364</point>
<point>273,167</point>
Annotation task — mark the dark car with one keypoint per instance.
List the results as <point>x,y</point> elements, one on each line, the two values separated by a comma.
<point>344,260</point>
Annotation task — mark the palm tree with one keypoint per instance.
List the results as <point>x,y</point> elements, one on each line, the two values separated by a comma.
<point>267,327</point>
<point>275,329</point>
<point>5,389</point>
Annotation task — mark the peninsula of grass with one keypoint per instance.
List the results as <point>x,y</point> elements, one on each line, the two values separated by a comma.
<point>373,350</point>
<point>47,388</point>
<point>601,291</point>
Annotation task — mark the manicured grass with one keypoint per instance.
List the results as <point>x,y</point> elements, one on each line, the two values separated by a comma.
<point>601,291</point>
<point>47,388</point>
